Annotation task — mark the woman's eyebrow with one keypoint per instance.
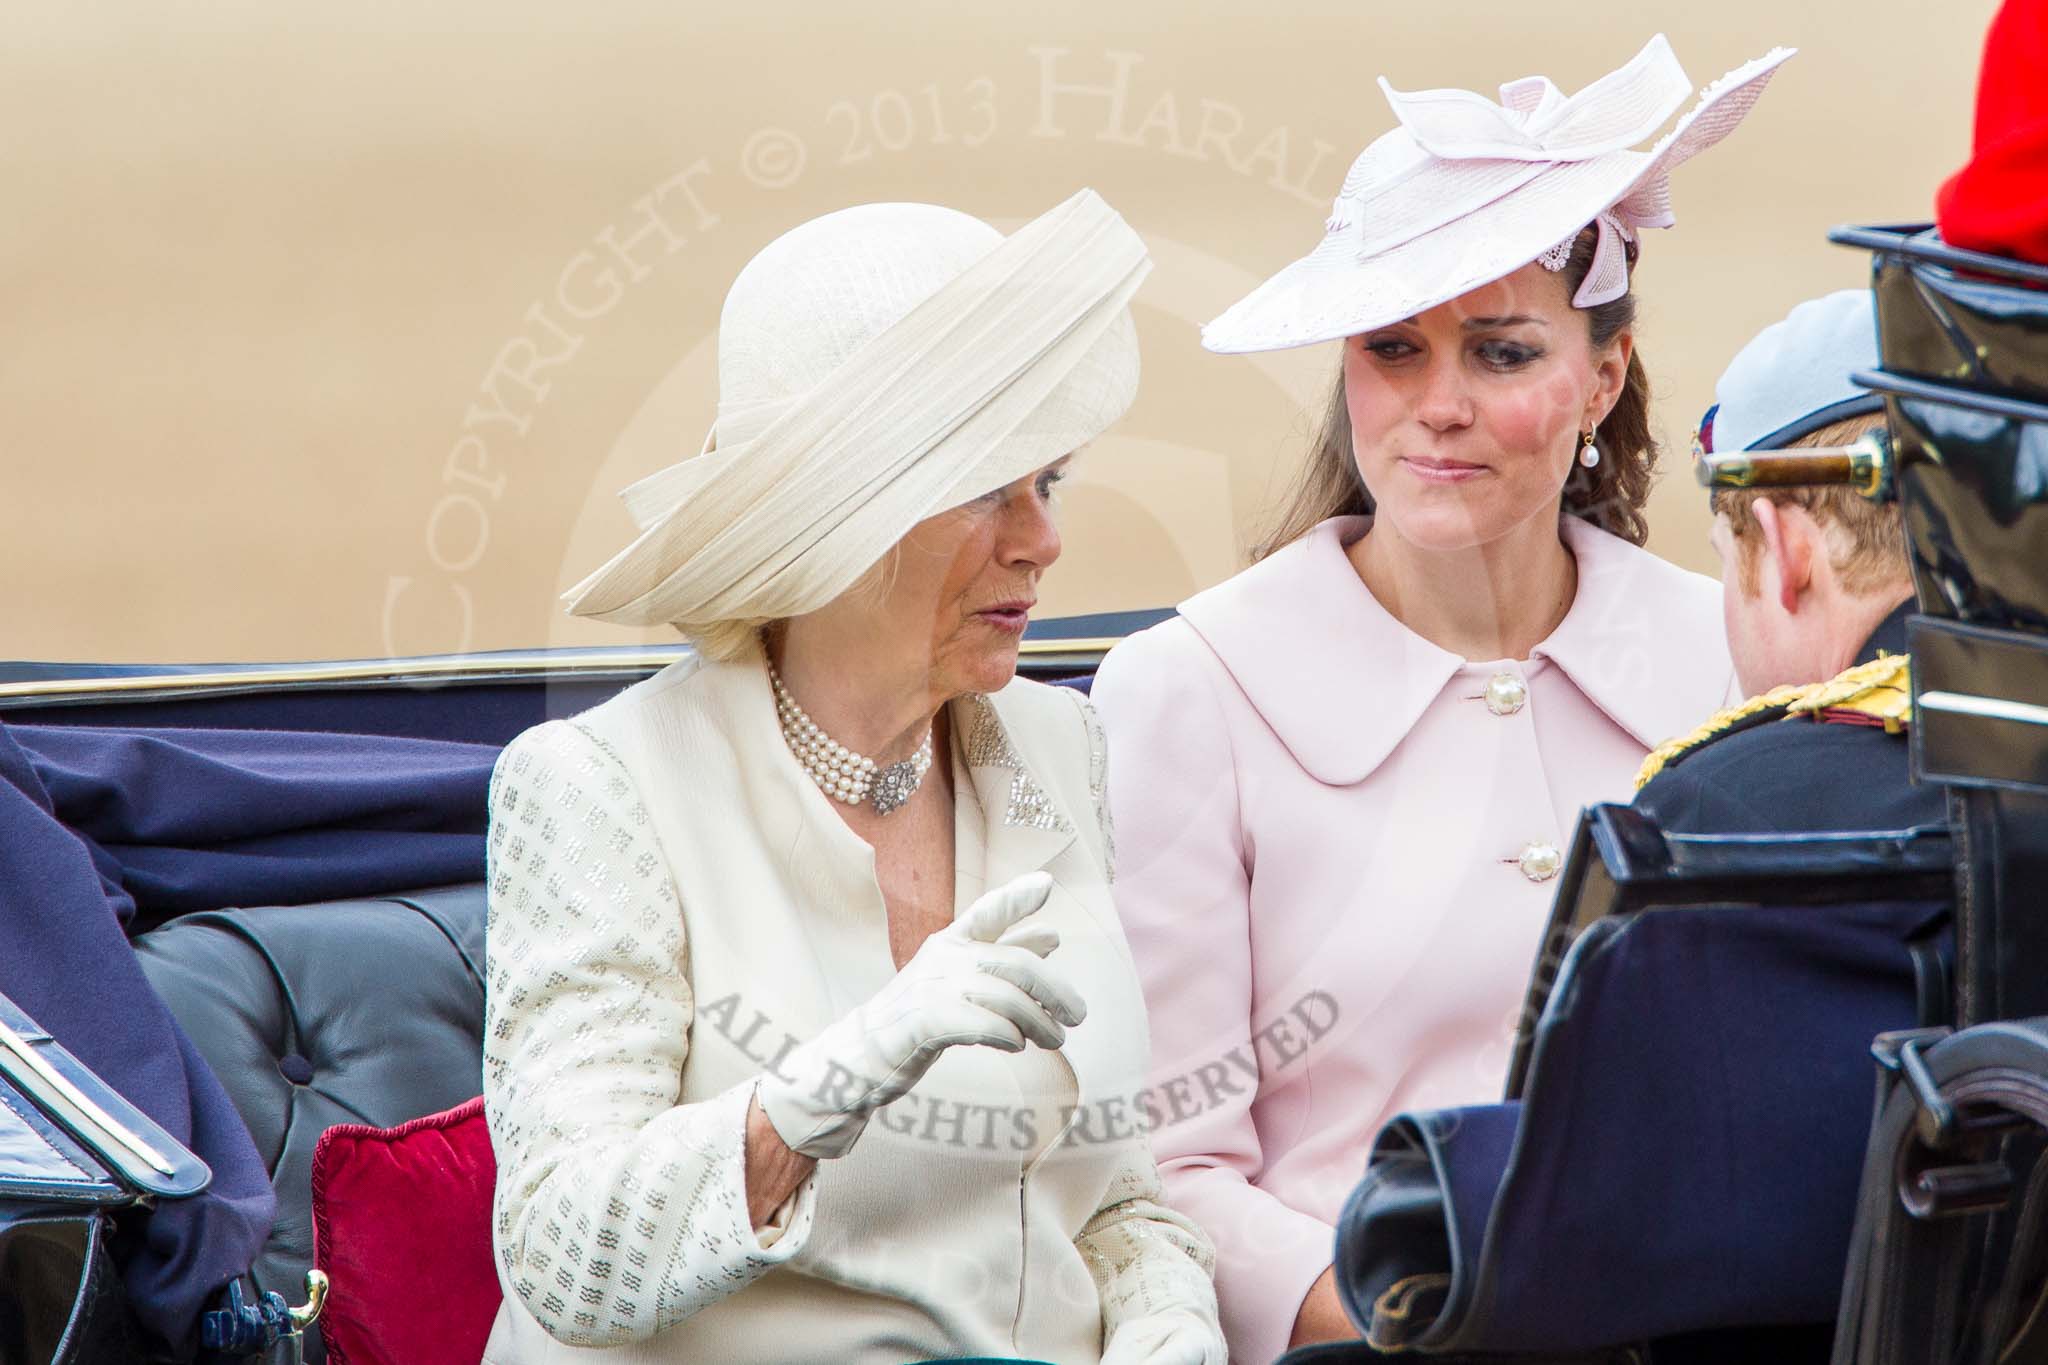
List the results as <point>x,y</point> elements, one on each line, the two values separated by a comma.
<point>1485,324</point>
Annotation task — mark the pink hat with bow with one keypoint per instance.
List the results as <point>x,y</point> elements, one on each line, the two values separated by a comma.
<point>1466,191</point>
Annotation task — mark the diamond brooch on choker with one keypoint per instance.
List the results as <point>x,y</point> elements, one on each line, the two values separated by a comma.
<point>841,773</point>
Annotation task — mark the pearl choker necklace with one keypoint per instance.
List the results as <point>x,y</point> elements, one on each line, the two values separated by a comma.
<point>841,773</point>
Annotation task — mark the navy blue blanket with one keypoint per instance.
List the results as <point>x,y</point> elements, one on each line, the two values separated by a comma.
<point>99,828</point>
<point>198,819</point>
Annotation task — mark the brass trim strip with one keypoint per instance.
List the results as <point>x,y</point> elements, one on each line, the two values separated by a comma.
<point>392,670</point>
<point>402,670</point>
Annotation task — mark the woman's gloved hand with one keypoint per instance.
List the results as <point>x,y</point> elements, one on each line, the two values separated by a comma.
<point>1170,1338</point>
<point>980,980</point>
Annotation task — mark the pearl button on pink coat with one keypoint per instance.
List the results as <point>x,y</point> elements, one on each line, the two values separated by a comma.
<point>1335,852</point>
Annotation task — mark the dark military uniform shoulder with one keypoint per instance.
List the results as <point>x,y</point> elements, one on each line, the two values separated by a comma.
<point>1825,757</point>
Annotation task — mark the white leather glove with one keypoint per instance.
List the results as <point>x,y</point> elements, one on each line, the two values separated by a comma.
<point>1169,1338</point>
<point>979,981</point>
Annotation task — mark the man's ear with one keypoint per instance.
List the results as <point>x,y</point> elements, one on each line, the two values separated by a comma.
<point>1788,548</point>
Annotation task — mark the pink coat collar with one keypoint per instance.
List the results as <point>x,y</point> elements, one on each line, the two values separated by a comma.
<point>1341,682</point>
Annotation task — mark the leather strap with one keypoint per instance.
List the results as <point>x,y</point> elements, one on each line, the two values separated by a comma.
<point>1949,1258</point>
<point>2001,934</point>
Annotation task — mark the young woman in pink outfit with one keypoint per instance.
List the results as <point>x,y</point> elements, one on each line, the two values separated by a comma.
<point>1343,779</point>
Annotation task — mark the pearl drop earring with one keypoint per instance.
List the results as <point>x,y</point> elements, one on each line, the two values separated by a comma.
<point>1589,454</point>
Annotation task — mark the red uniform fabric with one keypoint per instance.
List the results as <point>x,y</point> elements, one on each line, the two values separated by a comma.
<point>1999,201</point>
<point>402,1226</point>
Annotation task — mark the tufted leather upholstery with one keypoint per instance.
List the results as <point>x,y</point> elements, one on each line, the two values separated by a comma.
<point>364,1011</point>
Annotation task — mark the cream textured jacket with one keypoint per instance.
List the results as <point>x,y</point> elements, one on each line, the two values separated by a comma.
<point>674,906</point>
<point>1337,852</point>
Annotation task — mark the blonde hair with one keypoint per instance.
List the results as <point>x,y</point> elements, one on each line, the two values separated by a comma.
<point>723,641</point>
<point>1866,541</point>
<point>727,640</point>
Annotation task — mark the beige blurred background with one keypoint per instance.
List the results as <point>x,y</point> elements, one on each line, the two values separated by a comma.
<point>330,330</point>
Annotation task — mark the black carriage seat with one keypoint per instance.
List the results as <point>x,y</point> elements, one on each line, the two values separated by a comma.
<point>1675,1165</point>
<point>358,1011</point>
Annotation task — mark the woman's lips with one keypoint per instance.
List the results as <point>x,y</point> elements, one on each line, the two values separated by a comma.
<point>1009,617</point>
<point>1441,471</point>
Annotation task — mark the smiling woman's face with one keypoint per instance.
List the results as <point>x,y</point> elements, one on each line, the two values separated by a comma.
<point>1465,419</point>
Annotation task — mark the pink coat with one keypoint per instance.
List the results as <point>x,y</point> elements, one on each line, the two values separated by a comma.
<point>1334,850</point>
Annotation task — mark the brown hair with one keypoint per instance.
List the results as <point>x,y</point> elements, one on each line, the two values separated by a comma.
<point>1610,495</point>
<point>1867,551</point>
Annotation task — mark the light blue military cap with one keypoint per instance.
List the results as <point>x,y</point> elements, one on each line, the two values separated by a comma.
<point>1792,379</point>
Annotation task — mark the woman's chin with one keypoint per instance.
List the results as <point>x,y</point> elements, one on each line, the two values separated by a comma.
<point>989,668</point>
<point>1447,525</point>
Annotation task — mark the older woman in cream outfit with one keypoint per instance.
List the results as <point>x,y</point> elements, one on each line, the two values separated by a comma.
<point>811,1030</point>
<point>1343,779</point>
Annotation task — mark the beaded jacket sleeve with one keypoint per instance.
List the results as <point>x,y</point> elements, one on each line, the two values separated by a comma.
<point>618,1211</point>
<point>1149,1261</point>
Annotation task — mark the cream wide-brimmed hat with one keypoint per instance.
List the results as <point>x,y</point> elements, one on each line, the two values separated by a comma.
<point>1466,191</point>
<point>877,366</point>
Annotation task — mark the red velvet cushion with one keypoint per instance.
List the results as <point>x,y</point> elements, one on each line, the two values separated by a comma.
<point>402,1226</point>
